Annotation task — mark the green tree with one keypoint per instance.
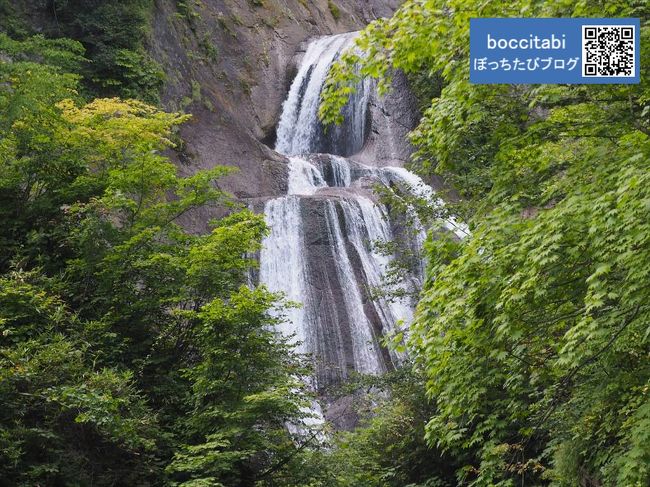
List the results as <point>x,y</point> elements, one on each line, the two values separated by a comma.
<point>131,352</point>
<point>114,34</point>
<point>388,448</point>
<point>533,330</point>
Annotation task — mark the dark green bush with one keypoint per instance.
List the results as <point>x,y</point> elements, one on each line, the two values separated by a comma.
<point>114,34</point>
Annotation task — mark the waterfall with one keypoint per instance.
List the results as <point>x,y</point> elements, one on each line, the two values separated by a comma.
<point>368,223</point>
<point>321,250</point>
<point>300,131</point>
<point>304,177</point>
<point>341,174</point>
<point>364,345</point>
<point>282,264</point>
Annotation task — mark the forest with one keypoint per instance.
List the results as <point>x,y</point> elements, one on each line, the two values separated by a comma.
<point>137,352</point>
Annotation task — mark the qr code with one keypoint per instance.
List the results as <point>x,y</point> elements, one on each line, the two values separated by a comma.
<point>608,50</point>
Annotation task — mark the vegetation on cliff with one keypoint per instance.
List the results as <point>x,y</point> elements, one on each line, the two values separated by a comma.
<point>112,33</point>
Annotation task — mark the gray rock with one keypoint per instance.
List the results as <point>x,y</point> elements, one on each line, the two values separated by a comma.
<point>235,97</point>
<point>392,117</point>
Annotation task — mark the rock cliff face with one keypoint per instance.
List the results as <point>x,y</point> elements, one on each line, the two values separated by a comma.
<point>230,64</point>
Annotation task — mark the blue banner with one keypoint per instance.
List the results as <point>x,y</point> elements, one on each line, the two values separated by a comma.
<point>567,50</point>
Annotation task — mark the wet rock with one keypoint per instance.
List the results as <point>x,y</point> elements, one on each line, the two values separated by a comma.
<point>392,117</point>
<point>235,89</point>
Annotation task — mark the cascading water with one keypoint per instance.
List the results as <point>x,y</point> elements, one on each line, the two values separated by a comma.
<point>320,251</point>
<point>300,130</point>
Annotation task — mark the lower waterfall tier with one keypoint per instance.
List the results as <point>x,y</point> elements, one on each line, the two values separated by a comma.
<point>322,253</point>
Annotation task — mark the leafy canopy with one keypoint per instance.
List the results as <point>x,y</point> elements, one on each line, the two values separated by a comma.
<point>534,331</point>
<point>131,350</point>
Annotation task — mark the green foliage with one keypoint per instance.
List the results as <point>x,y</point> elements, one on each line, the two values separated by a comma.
<point>130,351</point>
<point>11,22</point>
<point>186,10</point>
<point>209,48</point>
<point>426,87</point>
<point>388,449</point>
<point>334,9</point>
<point>533,331</point>
<point>239,408</point>
<point>113,34</point>
<point>63,421</point>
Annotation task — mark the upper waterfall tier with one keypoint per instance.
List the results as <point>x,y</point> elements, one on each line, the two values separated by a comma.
<point>300,130</point>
